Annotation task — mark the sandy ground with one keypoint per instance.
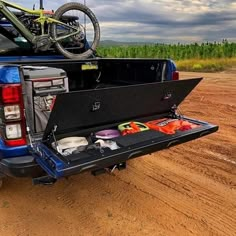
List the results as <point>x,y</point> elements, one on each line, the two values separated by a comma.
<point>189,189</point>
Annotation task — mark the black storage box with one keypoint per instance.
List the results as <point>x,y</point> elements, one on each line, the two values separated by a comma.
<point>84,112</point>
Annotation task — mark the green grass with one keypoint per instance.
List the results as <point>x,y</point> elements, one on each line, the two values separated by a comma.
<point>189,57</point>
<point>206,65</point>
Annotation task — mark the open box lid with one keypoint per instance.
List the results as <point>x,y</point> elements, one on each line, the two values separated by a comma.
<point>92,108</point>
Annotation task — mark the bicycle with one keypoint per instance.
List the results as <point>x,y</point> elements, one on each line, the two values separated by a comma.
<point>61,28</point>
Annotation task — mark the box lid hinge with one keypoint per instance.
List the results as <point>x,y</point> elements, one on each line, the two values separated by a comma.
<point>52,137</point>
<point>52,134</point>
<point>175,112</point>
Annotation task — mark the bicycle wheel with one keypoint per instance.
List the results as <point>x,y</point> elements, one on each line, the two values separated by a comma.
<point>76,16</point>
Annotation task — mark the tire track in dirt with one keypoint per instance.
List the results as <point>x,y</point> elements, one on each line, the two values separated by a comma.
<point>221,157</point>
<point>201,167</point>
<point>211,208</point>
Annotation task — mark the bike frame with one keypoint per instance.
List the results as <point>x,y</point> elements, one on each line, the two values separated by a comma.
<point>42,19</point>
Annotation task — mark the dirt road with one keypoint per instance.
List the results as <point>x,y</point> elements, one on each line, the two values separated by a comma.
<point>189,189</point>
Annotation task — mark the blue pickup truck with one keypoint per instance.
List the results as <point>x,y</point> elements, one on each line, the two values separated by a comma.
<point>62,117</point>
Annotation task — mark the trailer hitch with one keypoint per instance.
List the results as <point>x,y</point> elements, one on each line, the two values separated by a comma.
<point>45,180</point>
<point>110,169</point>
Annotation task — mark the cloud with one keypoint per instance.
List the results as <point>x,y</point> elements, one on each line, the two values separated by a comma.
<point>161,20</point>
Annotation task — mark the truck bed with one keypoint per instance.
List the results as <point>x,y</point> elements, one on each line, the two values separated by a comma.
<point>103,94</point>
<point>103,72</point>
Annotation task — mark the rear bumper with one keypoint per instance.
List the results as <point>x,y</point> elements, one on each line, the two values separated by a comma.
<point>23,166</point>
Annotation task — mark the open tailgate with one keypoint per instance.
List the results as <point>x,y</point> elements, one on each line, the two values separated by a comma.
<point>84,112</point>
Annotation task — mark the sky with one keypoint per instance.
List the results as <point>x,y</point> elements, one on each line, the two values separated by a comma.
<point>159,21</point>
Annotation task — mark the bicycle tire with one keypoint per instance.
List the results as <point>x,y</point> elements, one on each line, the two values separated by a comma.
<point>53,30</point>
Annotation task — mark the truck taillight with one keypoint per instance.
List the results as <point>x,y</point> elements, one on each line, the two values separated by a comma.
<point>12,115</point>
<point>175,75</point>
<point>12,112</point>
<point>13,131</point>
<point>11,94</point>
